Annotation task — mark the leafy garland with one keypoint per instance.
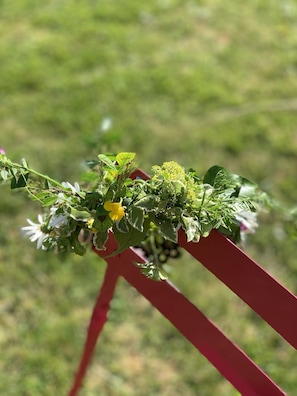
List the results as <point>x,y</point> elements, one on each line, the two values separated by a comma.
<point>137,211</point>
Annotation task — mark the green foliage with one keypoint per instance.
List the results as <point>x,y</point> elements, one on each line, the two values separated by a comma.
<point>113,201</point>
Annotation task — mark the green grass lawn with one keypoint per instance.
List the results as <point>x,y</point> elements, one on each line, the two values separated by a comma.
<point>200,82</point>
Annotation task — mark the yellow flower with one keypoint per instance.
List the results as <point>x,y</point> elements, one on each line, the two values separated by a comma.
<point>191,195</point>
<point>170,171</point>
<point>90,223</point>
<point>115,209</point>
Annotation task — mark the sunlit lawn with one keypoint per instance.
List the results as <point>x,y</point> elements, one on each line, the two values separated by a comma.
<point>199,82</point>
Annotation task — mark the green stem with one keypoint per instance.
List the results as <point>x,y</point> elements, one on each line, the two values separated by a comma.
<point>45,177</point>
<point>202,202</point>
<point>33,196</point>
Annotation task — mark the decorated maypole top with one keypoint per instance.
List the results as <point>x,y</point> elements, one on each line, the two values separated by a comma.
<point>136,210</point>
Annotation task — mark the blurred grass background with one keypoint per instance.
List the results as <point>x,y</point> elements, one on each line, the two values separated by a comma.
<point>200,82</point>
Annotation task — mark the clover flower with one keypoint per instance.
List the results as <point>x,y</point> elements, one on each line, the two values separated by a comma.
<point>35,232</point>
<point>115,209</point>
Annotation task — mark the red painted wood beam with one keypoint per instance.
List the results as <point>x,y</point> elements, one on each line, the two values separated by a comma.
<point>98,319</point>
<point>247,279</point>
<point>227,357</point>
<point>265,295</point>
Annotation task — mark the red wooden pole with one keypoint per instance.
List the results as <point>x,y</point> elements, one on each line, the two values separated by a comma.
<point>96,324</point>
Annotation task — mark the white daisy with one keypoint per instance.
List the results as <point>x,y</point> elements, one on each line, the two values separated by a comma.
<point>35,233</point>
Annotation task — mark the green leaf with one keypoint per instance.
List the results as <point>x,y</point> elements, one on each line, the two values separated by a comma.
<point>212,173</point>
<point>89,177</point>
<point>24,163</point>
<point>102,223</point>
<point>247,189</point>
<point>13,183</point>
<point>41,195</point>
<point>123,225</point>
<point>206,229</point>
<point>167,229</point>
<point>109,196</point>
<point>100,239</point>
<point>91,163</point>
<point>149,203</point>
<point>19,182</point>
<point>77,247</point>
<point>125,158</point>
<point>136,218</point>
<point>79,214</point>
<point>4,174</point>
<point>221,179</point>
<point>152,271</point>
<point>22,181</point>
<point>49,201</point>
<point>47,185</point>
<point>107,161</point>
<point>191,228</point>
<point>132,238</point>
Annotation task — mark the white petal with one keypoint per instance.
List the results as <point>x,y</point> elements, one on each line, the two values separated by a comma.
<point>58,220</point>
<point>28,228</point>
<point>39,241</point>
<point>76,186</point>
<point>75,189</point>
<point>35,236</point>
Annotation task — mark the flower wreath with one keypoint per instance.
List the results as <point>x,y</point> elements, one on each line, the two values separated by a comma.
<point>144,213</point>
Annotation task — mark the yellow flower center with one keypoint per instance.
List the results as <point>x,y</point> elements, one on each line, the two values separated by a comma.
<point>115,209</point>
